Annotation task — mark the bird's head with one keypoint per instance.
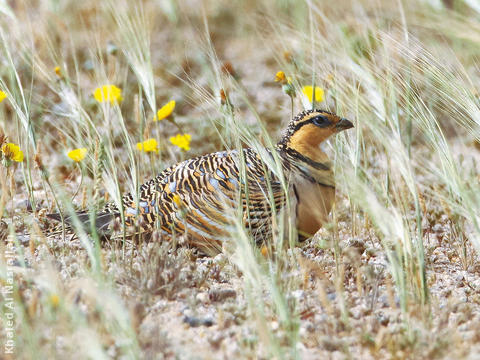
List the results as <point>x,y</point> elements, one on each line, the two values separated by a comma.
<point>311,127</point>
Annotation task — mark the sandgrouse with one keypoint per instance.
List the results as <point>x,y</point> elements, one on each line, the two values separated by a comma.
<point>192,198</point>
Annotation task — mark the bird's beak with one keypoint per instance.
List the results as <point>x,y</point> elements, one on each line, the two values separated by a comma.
<point>343,124</point>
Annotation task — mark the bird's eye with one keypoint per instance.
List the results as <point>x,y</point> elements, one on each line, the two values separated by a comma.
<point>321,121</point>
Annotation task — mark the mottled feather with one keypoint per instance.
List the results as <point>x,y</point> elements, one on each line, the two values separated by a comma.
<point>195,198</point>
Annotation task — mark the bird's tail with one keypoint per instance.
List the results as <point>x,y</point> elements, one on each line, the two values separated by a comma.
<point>102,221</point>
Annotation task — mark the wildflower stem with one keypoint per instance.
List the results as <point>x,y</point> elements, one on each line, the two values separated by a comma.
<point>55,199</point>
<point>82,171</point>
<point>179,127</point>
<point>291,106</point>
<point>3,196</point>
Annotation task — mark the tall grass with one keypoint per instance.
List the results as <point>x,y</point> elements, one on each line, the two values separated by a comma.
<point>411,108</point>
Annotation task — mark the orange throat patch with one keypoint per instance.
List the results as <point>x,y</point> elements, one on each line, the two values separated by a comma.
<point>307,139</point>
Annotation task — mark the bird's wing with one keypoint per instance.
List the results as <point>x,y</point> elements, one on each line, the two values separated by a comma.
<point>198,196</point>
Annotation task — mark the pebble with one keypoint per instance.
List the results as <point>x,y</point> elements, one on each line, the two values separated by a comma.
<point>308,326</point>
<point>298,294</point>
<point>220,258</point>
<point>203,297</point>
<point>194,321</point>
<point>331,343</point>
<point>24,205</point>
<point>221,294</point>
<point>437,228</point>
<point>23,239</point>
<point>382,319</point>
<point>331,296</point>
<point>216,340</point>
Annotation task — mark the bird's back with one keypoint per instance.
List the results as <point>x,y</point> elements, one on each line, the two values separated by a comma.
<point>197,198</point>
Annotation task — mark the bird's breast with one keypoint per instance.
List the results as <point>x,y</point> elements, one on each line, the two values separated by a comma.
<point>314,202</point>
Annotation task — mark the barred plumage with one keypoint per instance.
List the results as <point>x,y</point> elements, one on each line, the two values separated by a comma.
<point>196,198</point>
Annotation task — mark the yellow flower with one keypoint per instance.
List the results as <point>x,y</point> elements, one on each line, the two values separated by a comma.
<point>264,251</point>
<point>148,145</point>
<point>280,77</point>
<point>308,92</point>
<point>2,96</point>
<point>108,93</point>
<point>12,152</point>
<point>54,300</point>
<point>165,111</point>
<point>77,155</point>
<point>182,141</point>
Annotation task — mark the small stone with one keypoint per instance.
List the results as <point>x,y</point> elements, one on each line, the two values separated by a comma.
<point>216,340</point>
<point>194,321</point>
<point>357,243</point>
<point>37,185</point>
<point>384,301</point>
<point>331,343</point>
<point>356,312</point>
<point>203,297</point>
<point>221,294</point>
<point>308,326</point>
<point>23,239</point>
<point>382,319</point>
<point>298,294</point>
<point>220,258</point>
<point>370,252</point>
<point>24,205</point>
